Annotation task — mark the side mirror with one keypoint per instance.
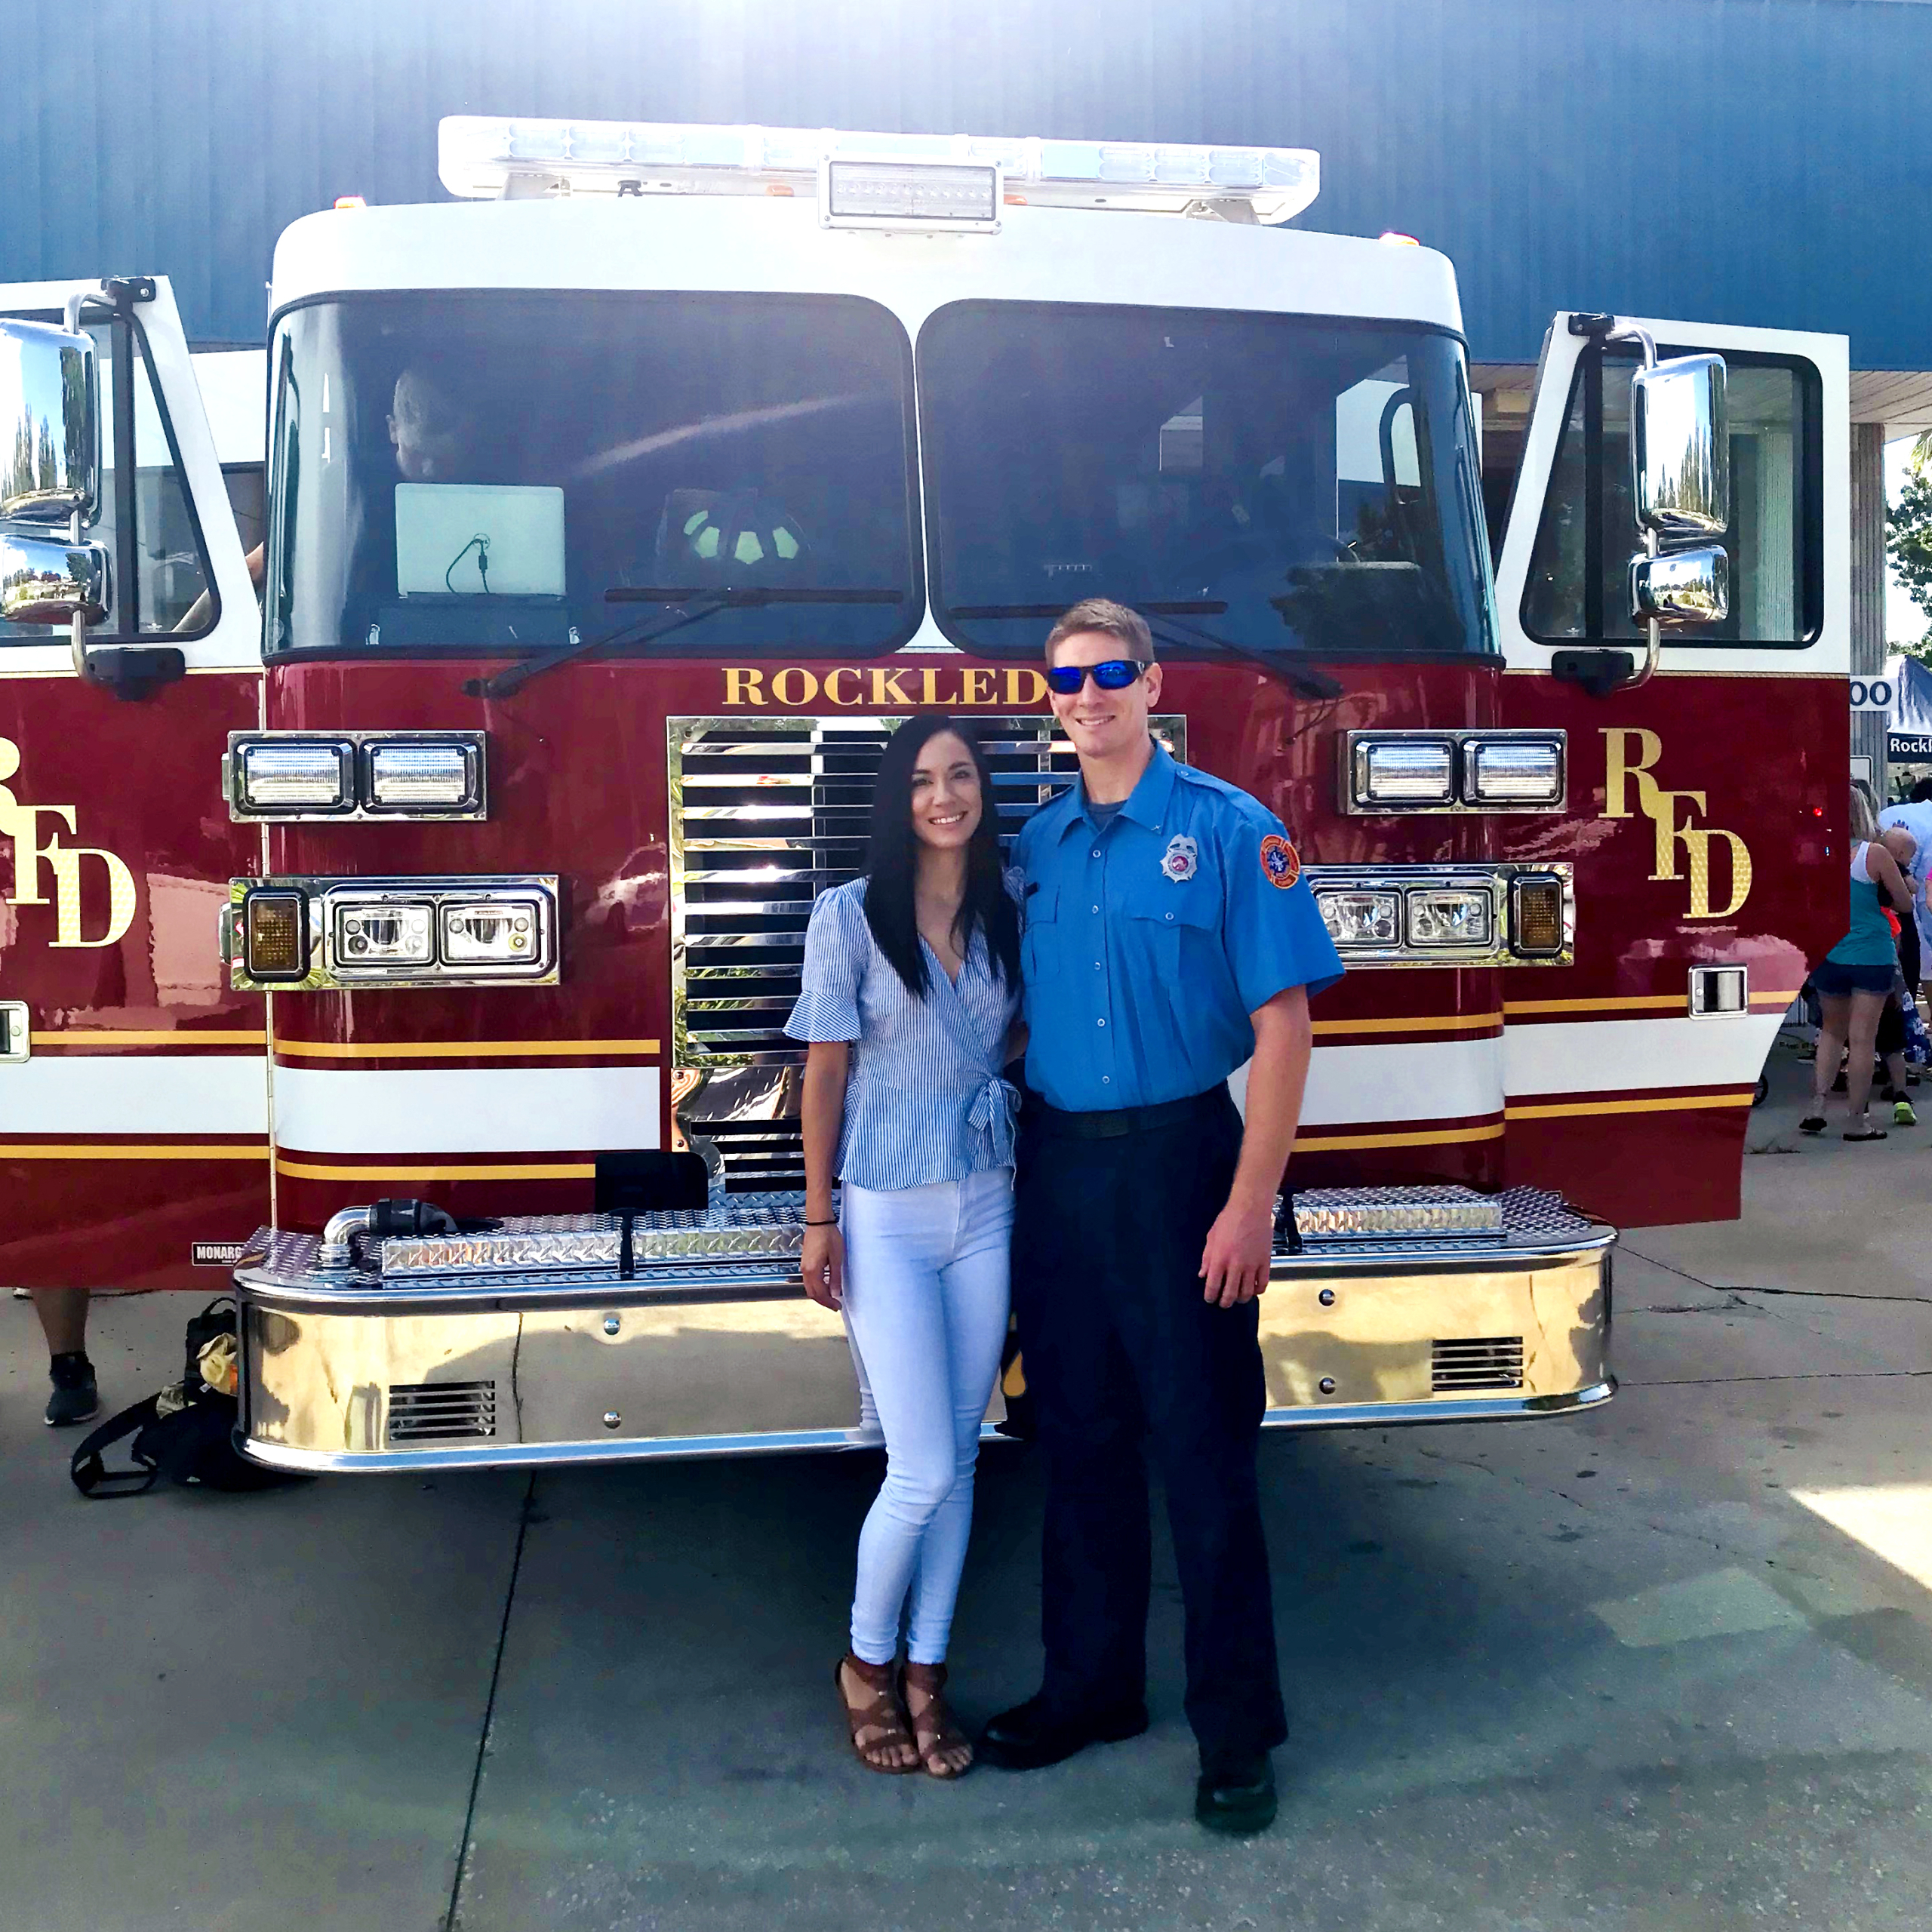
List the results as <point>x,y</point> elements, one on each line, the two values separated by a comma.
<point>1681,587</point>
<point>50,581</point>
<point>1680,449</point>
<point>50,419</point>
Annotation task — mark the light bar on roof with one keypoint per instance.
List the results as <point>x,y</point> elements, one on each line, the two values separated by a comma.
<point>482,158</point>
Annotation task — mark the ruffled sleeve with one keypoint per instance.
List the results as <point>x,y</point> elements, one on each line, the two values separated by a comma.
<point>837,945</point>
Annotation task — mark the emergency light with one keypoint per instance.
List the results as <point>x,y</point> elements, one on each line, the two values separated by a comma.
<point>919,181</point>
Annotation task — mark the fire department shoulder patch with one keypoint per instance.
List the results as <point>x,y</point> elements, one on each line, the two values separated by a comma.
<point>1280,861</point>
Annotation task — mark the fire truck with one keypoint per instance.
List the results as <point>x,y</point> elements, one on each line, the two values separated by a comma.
<point>413,942</point>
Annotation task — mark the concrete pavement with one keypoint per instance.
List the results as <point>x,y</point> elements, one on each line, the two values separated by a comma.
<point>1667,1667</point>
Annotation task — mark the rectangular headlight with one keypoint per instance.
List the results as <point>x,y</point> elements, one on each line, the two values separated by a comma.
<point>1448,916</point>
<point>1535,916</point>
<point>1361,918</point>
<point>1512,771</point>
<point>309,775</point>
<point>274,936</point>
<point>491,932</point>
<point>409,776</point>
<point>927,194</point>
<point>384,934</point>
<point>1404,771</point>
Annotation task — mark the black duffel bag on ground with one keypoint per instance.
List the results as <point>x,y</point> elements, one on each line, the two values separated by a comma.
<point>187,1432</point>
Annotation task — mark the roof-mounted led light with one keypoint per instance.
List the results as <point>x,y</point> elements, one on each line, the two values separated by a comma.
<point>480,158</point>
<point>942,195</point>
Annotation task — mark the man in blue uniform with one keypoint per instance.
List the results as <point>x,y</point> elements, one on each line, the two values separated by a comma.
<point>1169,939</point>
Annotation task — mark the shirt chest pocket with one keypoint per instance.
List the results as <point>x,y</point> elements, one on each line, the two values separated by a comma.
<point>1039,914</point>
<point>1166,922</point>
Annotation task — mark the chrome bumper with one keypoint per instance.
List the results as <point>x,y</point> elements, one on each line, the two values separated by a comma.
<point>348,1369</point>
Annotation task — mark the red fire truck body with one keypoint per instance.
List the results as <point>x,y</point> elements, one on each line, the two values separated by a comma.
<point>429,889</point>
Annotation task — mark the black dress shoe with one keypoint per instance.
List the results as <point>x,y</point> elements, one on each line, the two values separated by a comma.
<point>1237,1798</point>
<point>1029,1737</point>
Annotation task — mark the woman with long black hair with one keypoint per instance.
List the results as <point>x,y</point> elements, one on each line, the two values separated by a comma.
<point>912,981</point>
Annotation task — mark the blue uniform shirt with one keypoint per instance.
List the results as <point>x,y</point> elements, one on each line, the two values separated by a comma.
<point>1148,943</point>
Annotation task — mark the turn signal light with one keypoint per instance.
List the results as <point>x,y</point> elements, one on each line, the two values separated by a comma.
<point>1535,920</point>
<point>274,936</point>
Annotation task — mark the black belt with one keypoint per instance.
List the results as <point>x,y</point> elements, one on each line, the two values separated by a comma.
<point>1115,1123</point>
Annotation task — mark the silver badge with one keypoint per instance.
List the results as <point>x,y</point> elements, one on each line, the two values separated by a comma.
<point>1178,861</point>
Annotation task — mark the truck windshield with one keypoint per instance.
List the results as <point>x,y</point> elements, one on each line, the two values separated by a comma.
<point>1283,483</point>
<point>511,473</point>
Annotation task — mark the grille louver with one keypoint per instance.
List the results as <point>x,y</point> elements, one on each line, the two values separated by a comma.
<point>1481,1361</point>
<point>442,1411</point>
<point>764,815</point>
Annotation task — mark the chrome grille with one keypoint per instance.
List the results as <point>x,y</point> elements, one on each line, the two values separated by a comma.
<point>441,1411</point>
<point>765,815</point>
<point>1476,1361</point>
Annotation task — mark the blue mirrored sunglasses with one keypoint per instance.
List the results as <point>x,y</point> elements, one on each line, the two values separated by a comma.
<point>1115,675</point>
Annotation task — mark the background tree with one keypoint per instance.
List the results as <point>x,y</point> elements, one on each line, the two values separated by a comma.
<point>1908,539</point>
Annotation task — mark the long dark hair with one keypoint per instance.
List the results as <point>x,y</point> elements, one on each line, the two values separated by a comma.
<point>892,863</point>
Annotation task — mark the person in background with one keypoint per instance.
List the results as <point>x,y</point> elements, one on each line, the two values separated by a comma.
<point>1854,979</point>
<point>1914,815</point>
<point>911,983</point>
<point>63,1321</point>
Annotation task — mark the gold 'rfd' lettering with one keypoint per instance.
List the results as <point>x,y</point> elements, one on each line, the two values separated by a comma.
<point>887,688</point>
<point>1629,752</point>
<point>21,823</point>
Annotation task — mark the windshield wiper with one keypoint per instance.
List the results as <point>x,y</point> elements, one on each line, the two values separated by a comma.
<point>1205,606</point>
<point>693,605</point>
<point>1308,684</point>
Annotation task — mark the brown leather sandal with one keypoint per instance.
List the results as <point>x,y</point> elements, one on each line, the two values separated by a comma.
<point>883,1717</point>
<point>934,1728</point>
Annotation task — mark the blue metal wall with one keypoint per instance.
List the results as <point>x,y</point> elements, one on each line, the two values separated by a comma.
<point>1751,161</point>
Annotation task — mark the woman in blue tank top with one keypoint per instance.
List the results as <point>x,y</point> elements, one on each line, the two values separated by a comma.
<point>1853,978</point>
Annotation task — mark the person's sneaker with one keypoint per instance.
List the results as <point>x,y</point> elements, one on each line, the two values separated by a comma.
<point>75,1395</point>
<point>1902,1113</point>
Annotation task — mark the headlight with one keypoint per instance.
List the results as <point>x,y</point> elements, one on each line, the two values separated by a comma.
<point>1361,918</point>
<point>385,933</point>
<point>494,932</point>
<point>1439,916</point>
<point>1406,771</point>
<point>1512,771</point>
<point>310,775</point>
<point>405,777</point>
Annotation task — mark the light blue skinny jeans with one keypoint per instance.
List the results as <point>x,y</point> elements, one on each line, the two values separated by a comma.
<point>925,1303</point>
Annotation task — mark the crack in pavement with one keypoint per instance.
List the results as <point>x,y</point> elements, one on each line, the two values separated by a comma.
<point>1749,1288</point>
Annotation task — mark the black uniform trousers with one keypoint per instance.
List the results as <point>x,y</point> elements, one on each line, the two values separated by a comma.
<point>1120,1352</point>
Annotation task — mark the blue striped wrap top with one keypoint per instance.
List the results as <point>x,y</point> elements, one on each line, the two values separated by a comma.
<point>925,1099</point>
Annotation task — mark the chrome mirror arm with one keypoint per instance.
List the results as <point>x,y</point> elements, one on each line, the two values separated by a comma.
<point>1645,341</point>
<point>77,522</point>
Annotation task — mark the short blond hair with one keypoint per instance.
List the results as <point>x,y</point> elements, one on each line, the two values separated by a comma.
<point>1110,619</point>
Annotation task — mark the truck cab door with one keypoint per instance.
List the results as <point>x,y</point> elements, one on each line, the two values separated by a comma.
<point>1706,803</point>
<point>133,1089</point>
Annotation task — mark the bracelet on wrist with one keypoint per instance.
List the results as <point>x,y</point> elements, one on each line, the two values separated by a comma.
<point>832,1224</point>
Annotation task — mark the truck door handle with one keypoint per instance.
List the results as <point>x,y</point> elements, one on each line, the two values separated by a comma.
<point>15,1041</point>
